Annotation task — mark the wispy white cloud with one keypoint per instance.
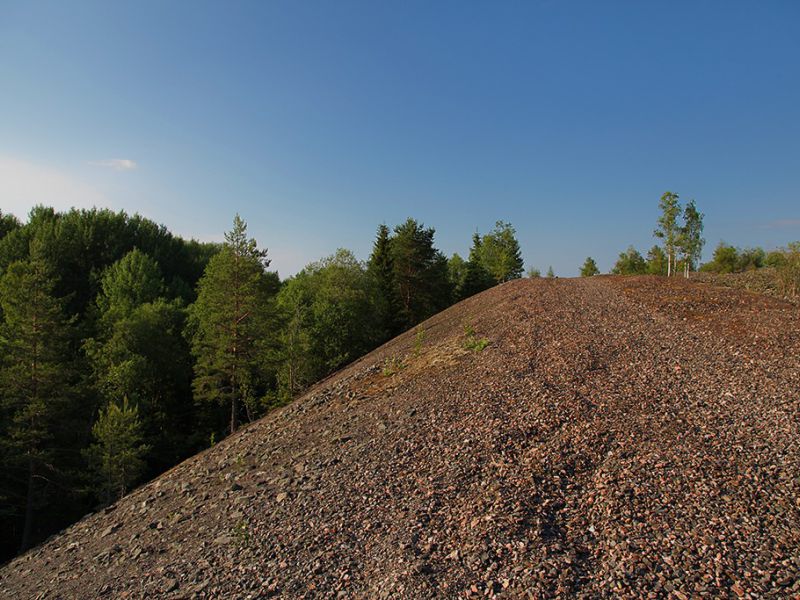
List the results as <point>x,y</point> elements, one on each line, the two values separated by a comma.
<point>23,185</point>
<point>118,164</point>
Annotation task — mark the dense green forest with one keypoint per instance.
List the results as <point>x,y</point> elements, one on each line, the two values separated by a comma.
<point>126,349</point>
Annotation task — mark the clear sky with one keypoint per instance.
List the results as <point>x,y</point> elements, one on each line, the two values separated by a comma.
<point>317,121</point>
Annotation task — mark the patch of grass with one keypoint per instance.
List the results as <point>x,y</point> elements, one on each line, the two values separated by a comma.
<point>242,533</point>
<point>472,341</point>
<point>392,366</point>
<point>419,339</point>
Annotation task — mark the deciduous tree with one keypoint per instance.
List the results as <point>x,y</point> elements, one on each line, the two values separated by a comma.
<point>668,229</point>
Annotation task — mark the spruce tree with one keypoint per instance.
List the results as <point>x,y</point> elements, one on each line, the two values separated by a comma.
<point>35,377</point>
<point>476,277</point>
<point>420,273</point>
<point>231,323</point>
<point>381,268</point>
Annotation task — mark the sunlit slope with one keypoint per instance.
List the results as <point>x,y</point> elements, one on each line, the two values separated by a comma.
<point>602,437</point>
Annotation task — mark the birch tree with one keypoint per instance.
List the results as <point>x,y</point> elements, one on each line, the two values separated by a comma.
<point>668,229</point>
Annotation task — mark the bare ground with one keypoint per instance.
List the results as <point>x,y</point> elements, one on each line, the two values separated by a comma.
<point>618,438</point>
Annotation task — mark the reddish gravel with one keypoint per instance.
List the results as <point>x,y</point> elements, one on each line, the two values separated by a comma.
<point>618,438</point>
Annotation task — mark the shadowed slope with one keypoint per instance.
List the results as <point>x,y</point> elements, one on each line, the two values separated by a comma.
<point>618,436</point>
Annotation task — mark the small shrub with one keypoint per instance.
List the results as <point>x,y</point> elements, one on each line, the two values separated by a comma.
<point>789,271</point>
<point>472,341</point>
<point>392,366</point>
<point>242,533</point>
<point>419,339</point>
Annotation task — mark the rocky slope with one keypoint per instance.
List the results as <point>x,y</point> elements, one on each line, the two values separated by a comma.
<point>618,438</point>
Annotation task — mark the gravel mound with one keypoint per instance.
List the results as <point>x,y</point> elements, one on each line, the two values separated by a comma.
<point>616,438</point>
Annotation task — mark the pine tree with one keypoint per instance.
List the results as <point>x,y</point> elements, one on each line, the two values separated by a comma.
<point>668,229</point>
<point>118,454</point>
<point>550,273</point>
<point>589,267</point>
<point>231,322</point>
<point>35,376</point>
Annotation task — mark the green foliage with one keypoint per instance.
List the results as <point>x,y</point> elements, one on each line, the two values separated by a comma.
<point>118,452</point>
<point>476,277</point>
<point>534,273</point>
<point>500,253</point>
<point>724,260</point>
<point>419,340</point>
<point>381,269</point>
<point>472,341</point>
<point>79,245</point>
<point>789,270</point>
<point>668,229</point>
<point>550,273</point>
<point>690,237</point>
<point>775,259</point>
<point>242,533</point>
<point>8,223</point>
<point>36,383</point>
<point>456,272</point>
<point>750,259</point>
<point>420,273</point>
<point>133,280</point>
<point>656,261</point>
<point>728,259</point>
<point>232,324</point>
<point>589,267</point>
<point>331,316</point>
<point>630,262</point>
<point>143,356</point>
<point>392,366</point>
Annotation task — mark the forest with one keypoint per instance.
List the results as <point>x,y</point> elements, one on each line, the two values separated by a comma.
<point>126,349</point>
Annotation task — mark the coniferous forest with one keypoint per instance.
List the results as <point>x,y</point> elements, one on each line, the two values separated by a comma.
<point>126,349</point>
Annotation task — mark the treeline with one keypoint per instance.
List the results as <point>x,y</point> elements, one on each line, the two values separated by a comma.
<point>126,349</point>
<point>681,228</point>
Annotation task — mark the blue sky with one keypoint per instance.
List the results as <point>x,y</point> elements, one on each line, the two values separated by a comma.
<point>317,121</point>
